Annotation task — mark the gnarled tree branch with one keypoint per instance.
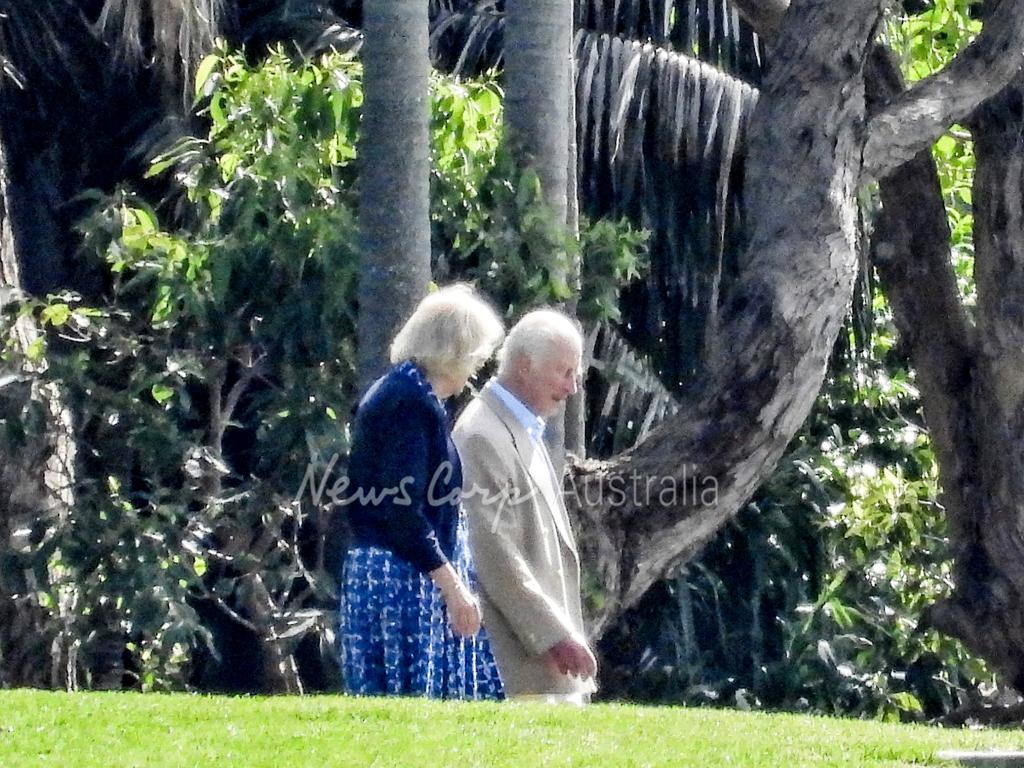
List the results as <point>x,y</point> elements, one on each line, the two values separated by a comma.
<point>910,249</point>
<point>917,117</point>
<point>778,323</point>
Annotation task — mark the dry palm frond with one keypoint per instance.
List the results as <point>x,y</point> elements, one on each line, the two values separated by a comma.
<point>308,26</point>
<point>660,137</point>
<point>173,34</point>
<point>709,30</point>
<point>43,45</point>
<point>466,40</point>
<point>627,399</point>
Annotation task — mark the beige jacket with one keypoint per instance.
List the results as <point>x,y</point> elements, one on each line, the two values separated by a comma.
<point>523,545</point>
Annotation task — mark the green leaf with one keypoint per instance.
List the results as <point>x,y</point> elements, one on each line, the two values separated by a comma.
<point>56,315</point>
<point>907,702</point>
<point>945,146</point>
<point>35,351</point>
<point>162,393</point>
<point>487,101</point>
<point>217,111</point>
<point>159,165</point>
<point>145,219</point>
<point>204,70</point>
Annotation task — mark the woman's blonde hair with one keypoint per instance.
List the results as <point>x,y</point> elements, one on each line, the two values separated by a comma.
<point>452,330</point>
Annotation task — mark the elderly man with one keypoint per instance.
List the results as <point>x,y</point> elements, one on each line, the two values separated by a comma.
<point>519,531</point>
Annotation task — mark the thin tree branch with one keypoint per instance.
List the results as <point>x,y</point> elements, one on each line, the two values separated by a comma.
<point>229,611</point>
<point>252,370</point>
<point>916,118</point>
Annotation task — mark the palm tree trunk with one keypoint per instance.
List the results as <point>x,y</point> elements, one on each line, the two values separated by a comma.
<point>538,70</point>
<point>575,406</point>
<point>538,40</point>
<point>394,198</point>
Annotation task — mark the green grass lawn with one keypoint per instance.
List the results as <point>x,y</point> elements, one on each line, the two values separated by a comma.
<point>123,729</point>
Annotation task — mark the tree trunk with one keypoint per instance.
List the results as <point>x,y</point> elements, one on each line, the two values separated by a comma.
<point>538,68</point>
<point>280,672</point>
<point>538,57</point>
<point>985,476</point>
<point>575,419</point>
<point>24,631</point>
<point>655,506</point>
<point>395,175</point>
<point>969,376</point>
<point>35,481</point>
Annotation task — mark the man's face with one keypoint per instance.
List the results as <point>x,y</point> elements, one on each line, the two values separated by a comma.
<point>549,380</point>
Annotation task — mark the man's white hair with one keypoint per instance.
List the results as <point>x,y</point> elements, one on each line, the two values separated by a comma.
<point>453,330</point>
<point>538,336</point>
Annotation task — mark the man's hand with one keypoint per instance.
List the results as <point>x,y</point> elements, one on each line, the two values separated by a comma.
<point>571,657</point>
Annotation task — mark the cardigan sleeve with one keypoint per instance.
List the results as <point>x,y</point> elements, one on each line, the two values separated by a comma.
<point>394,492</point>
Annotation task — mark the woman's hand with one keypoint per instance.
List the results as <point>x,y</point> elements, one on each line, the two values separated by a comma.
<point>463,611</point>
<point>462,605</point>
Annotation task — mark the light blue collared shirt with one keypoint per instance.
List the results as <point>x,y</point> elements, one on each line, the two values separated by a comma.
<point>532,423</point>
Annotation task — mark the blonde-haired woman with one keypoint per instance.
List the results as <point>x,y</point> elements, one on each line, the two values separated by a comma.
<point>410,621</point>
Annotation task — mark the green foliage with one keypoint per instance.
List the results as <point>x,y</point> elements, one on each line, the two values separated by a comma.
<point>926,43</point>
<point>509,242</point>
<point>218,365</point>
<point>615,254</point>
<point>210,382</point>
<point>886,557</point>
<point>954,156</point>
<point>811,599</point>
<point>492,226</point>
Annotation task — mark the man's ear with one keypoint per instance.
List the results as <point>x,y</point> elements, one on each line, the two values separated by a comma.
<point>527,364</point>
<point>519,366</point>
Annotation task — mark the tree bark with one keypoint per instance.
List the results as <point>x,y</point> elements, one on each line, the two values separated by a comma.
<point>395,176</point>
<point>778,324</point>
<point>538,51</point>
<point>35,483</point>
<point>538,67</point>
<point>969,375</point>
<point>915,118</point>
<point>765,16</point>
<point>910,250</point>
<point>986,610</point>
<point>575,418</point>
<point>280,672</point>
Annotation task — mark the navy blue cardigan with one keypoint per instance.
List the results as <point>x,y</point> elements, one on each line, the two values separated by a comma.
<point>404,471</point>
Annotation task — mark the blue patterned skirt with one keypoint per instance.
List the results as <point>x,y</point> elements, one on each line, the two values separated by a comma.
<point>395,638</point>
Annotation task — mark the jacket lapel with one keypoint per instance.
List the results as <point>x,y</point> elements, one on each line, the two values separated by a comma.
<point>534,460</point>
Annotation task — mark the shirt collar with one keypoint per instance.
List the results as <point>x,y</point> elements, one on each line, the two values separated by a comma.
<point>532,423</point>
